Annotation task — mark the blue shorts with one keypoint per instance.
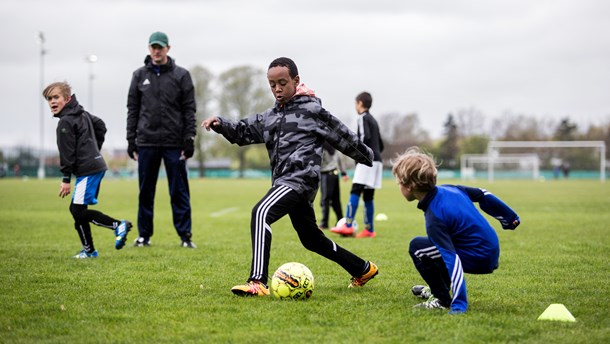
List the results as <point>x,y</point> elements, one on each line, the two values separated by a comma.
<point>87,188</point>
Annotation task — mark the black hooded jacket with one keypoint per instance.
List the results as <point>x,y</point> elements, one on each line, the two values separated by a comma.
<point>80,136</point>
<point>161,106</point>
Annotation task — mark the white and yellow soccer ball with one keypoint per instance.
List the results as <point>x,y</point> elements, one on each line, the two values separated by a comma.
<point>292,281</point>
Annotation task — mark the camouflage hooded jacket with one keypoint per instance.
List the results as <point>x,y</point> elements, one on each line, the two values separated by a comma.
<point>294,134</point>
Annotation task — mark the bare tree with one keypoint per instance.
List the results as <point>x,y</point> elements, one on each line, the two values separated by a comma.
<point>511,127</point>
<point>243,92</point>
<point>202,79</point>
<point>400,131</point>
<point>470,122</point>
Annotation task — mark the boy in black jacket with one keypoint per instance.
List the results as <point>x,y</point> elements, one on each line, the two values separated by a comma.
<point>366,178</point>
<point>80,136</point>
<point>293,131</point>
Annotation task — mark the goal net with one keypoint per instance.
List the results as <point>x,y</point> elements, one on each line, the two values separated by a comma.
<point>494,155</point>
<point>506,166</point>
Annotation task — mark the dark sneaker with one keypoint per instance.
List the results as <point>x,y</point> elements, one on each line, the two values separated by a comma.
<point>121,234</point>
<point>361,281</point>
<point>432,303</point>
<point>189,244</point>
<point>252,288</point>
<point>422,291</point>
<point>84,255</point>
<point>141,242</point>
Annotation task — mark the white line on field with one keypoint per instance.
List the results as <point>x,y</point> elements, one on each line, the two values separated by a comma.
<point>223,212</point>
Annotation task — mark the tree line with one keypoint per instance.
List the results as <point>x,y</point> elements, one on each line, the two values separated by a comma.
<point>242,91</point>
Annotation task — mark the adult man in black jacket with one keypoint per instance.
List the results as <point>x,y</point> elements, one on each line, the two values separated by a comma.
<point>161,126</point>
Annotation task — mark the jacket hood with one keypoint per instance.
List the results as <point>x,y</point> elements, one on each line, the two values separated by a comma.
<point>302,90</point>
<point>302,95</point>
<point>72,108</point>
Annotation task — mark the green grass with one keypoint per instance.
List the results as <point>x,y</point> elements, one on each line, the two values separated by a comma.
<point>167,294</point>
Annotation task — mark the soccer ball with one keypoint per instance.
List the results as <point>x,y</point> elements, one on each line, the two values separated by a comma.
<point>341,222</point>
<point>292,281</point>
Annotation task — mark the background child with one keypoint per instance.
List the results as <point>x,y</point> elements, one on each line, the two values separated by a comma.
<point>366,178</point>
<point>330,191</point>
<point>293,131</point>
<point>459,238</point>
<point>80,136</point>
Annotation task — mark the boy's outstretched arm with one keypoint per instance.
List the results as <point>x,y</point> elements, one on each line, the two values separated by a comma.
<point>344,140</point>
<point>493,206</point>
<point>244,132</point>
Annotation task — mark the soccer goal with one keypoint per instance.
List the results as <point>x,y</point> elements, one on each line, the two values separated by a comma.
<point>493,151</point>
<point>518,166</point>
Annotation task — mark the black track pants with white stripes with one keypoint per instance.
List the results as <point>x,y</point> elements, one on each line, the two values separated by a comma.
<point>431,267</point>
<point>282,200</point>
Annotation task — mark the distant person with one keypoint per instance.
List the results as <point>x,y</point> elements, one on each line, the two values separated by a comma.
<point>565,169</point>
<point>161,126</point>
<point>459,238</point>
<point>330,192</point>
<point>556,163</point>
<point>293,132</point>
<point>80,136</point>
<point>366,178</point>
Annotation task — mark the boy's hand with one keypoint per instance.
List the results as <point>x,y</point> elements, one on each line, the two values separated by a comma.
<point>210,122</point>
<point>511,225</point>
<point>64,190</point>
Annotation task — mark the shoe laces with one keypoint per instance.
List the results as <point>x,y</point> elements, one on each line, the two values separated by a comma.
<point>433,303</point>
<point>255,286</point>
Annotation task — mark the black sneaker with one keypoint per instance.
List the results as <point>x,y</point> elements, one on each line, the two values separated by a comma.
<point>421,291</point>
<point>141,242</point>
<point>188,244</point>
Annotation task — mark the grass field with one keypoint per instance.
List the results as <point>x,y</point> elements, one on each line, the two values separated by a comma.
<point>168,294</point>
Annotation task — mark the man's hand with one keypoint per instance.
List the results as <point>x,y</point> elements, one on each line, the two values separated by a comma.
<point>132,150</point>
<point>64,189</point>
<point>189,148</point>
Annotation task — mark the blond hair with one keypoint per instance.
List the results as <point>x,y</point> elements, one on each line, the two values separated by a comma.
<point>64,89</point>
<point>415,169</point>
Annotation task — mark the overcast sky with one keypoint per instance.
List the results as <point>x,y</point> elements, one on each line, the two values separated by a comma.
<point>430,57</point>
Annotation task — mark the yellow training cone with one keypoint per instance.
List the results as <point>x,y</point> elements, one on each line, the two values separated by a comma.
<point>557,312</point>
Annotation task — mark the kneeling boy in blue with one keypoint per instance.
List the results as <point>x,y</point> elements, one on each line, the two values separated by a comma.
<point>80,136</point>
<point>459,238</point>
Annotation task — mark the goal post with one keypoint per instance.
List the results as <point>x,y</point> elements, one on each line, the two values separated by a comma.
<point>494,146</point>
<point>523,162</point>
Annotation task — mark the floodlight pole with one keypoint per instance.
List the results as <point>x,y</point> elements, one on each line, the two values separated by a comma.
<point>91,59</point>
<point>41,167</point>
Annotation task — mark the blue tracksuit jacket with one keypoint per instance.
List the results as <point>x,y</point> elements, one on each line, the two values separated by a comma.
<point>466,240</point>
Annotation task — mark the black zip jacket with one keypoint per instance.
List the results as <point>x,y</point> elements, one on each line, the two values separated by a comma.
<point>80,136</point>
<point>161,106</point>
<point>372,137</point>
